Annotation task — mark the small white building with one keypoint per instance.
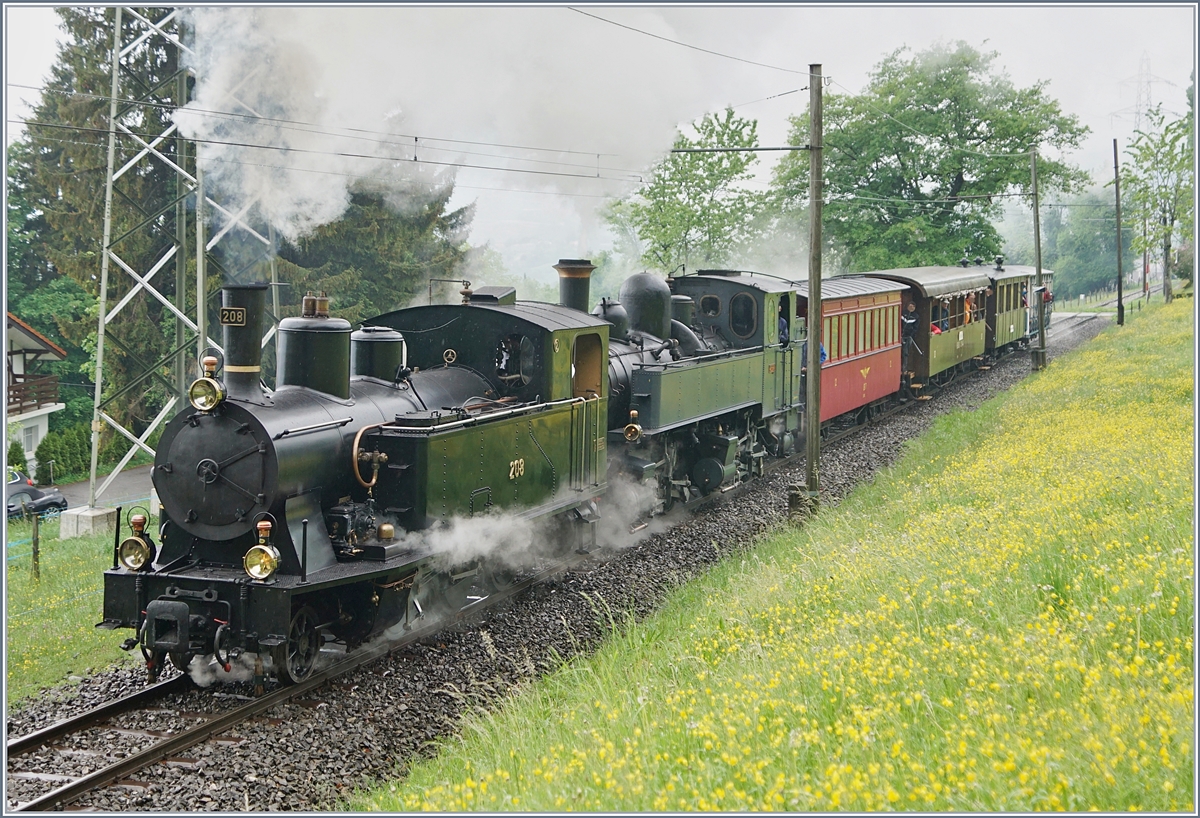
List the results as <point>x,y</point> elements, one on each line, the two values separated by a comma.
<point>32,397</point>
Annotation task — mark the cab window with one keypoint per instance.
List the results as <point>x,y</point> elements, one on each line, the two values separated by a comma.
<point>514,361</point>
<point>743,315</point>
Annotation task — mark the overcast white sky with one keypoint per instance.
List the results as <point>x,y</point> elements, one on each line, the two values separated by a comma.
<point>556,78</point>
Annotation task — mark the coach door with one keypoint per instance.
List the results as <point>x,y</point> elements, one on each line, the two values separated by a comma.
<point>788,371</point>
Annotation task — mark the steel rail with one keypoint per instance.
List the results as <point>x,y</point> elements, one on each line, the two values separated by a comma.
<point>40,738</point>
<point>219,724</point>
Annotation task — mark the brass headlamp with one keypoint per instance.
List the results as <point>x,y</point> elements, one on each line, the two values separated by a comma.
<point>262,560</point>
<point>633,429</point>
<point>206,392</point>
<point>136,552</point>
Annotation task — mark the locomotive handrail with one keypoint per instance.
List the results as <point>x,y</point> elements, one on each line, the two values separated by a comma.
<point>727,353</point>
<point>490,417</point>
<point>316,427</point>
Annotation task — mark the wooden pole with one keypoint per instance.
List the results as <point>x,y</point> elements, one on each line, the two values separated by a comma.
<point>1039,352</point>
<point>1120,269</point>
<point>37,570</point>
<point>816,196</point>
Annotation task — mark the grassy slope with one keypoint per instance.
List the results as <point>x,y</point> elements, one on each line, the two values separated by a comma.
<point>1002,621</point>
<point>51,632</point>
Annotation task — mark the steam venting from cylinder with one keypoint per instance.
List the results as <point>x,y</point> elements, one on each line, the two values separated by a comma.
<point>241,335</point>
<point>647,298</point>
<point>574,281</point>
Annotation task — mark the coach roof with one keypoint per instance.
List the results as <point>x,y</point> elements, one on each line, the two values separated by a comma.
<point>933,282</point>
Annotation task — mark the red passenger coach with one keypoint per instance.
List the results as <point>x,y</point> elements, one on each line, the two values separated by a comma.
<point>861,336</point>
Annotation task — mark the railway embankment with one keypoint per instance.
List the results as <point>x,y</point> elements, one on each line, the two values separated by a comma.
<point>1002,620</point>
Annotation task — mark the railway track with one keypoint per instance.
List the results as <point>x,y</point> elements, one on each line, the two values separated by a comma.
<point>171,743</point>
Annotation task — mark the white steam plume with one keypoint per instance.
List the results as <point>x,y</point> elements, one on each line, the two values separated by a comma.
<point>508,77</point>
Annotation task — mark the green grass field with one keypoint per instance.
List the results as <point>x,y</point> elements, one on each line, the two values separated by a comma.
<point>51,631</point>
<point>1000,622</point>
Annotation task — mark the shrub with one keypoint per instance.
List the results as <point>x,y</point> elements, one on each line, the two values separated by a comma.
<point>16,456</point>
<point>71,451</point>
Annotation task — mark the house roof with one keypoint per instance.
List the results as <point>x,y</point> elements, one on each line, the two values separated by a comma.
<point>23,337</point>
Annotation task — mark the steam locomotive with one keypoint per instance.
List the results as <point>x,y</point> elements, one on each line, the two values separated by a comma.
<point>290,516</point>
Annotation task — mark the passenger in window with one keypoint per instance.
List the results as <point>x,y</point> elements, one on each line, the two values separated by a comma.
<point>944,316</point>
<point>969,309</point>
<point>783,328</point>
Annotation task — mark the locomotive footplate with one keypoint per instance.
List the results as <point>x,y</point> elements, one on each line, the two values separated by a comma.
<point>214,610</point>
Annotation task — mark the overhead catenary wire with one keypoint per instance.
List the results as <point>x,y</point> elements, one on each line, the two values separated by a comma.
<point>344,154</point>
<point>288,122</point>
<point>882,200</point>
<point>687,45</point>
<point>298,169</point>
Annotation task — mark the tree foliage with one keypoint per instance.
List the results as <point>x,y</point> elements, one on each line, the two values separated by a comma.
<point>377,257</point>
<point>916,164</point>
<point>1085,255</point>
<point>694,211</point>
<point>373,259</point>
<point>56,182</point>
<point>16,457</point>
<point>1158,184</point>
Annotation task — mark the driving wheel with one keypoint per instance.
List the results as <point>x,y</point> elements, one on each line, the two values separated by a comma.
<point>298,656</point>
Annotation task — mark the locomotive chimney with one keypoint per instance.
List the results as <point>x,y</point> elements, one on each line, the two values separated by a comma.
<point>241,328</point>
<point>574,280</point>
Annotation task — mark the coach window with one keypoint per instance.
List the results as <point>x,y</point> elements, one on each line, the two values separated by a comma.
<point>831,338</point>
<point>587,366</point>
<point>743,315</point>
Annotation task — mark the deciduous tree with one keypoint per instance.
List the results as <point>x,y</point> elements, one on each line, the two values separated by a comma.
<point>1158,183</point>
<point>916,164</point>
<point>694,211</point>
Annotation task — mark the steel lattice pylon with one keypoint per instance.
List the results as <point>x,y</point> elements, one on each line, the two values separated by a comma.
<point>173,370</point>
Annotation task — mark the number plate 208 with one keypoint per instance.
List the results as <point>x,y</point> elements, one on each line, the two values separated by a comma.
<point>233,316</point>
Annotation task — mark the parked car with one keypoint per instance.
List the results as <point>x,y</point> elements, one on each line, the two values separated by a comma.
<point>37,500</point>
